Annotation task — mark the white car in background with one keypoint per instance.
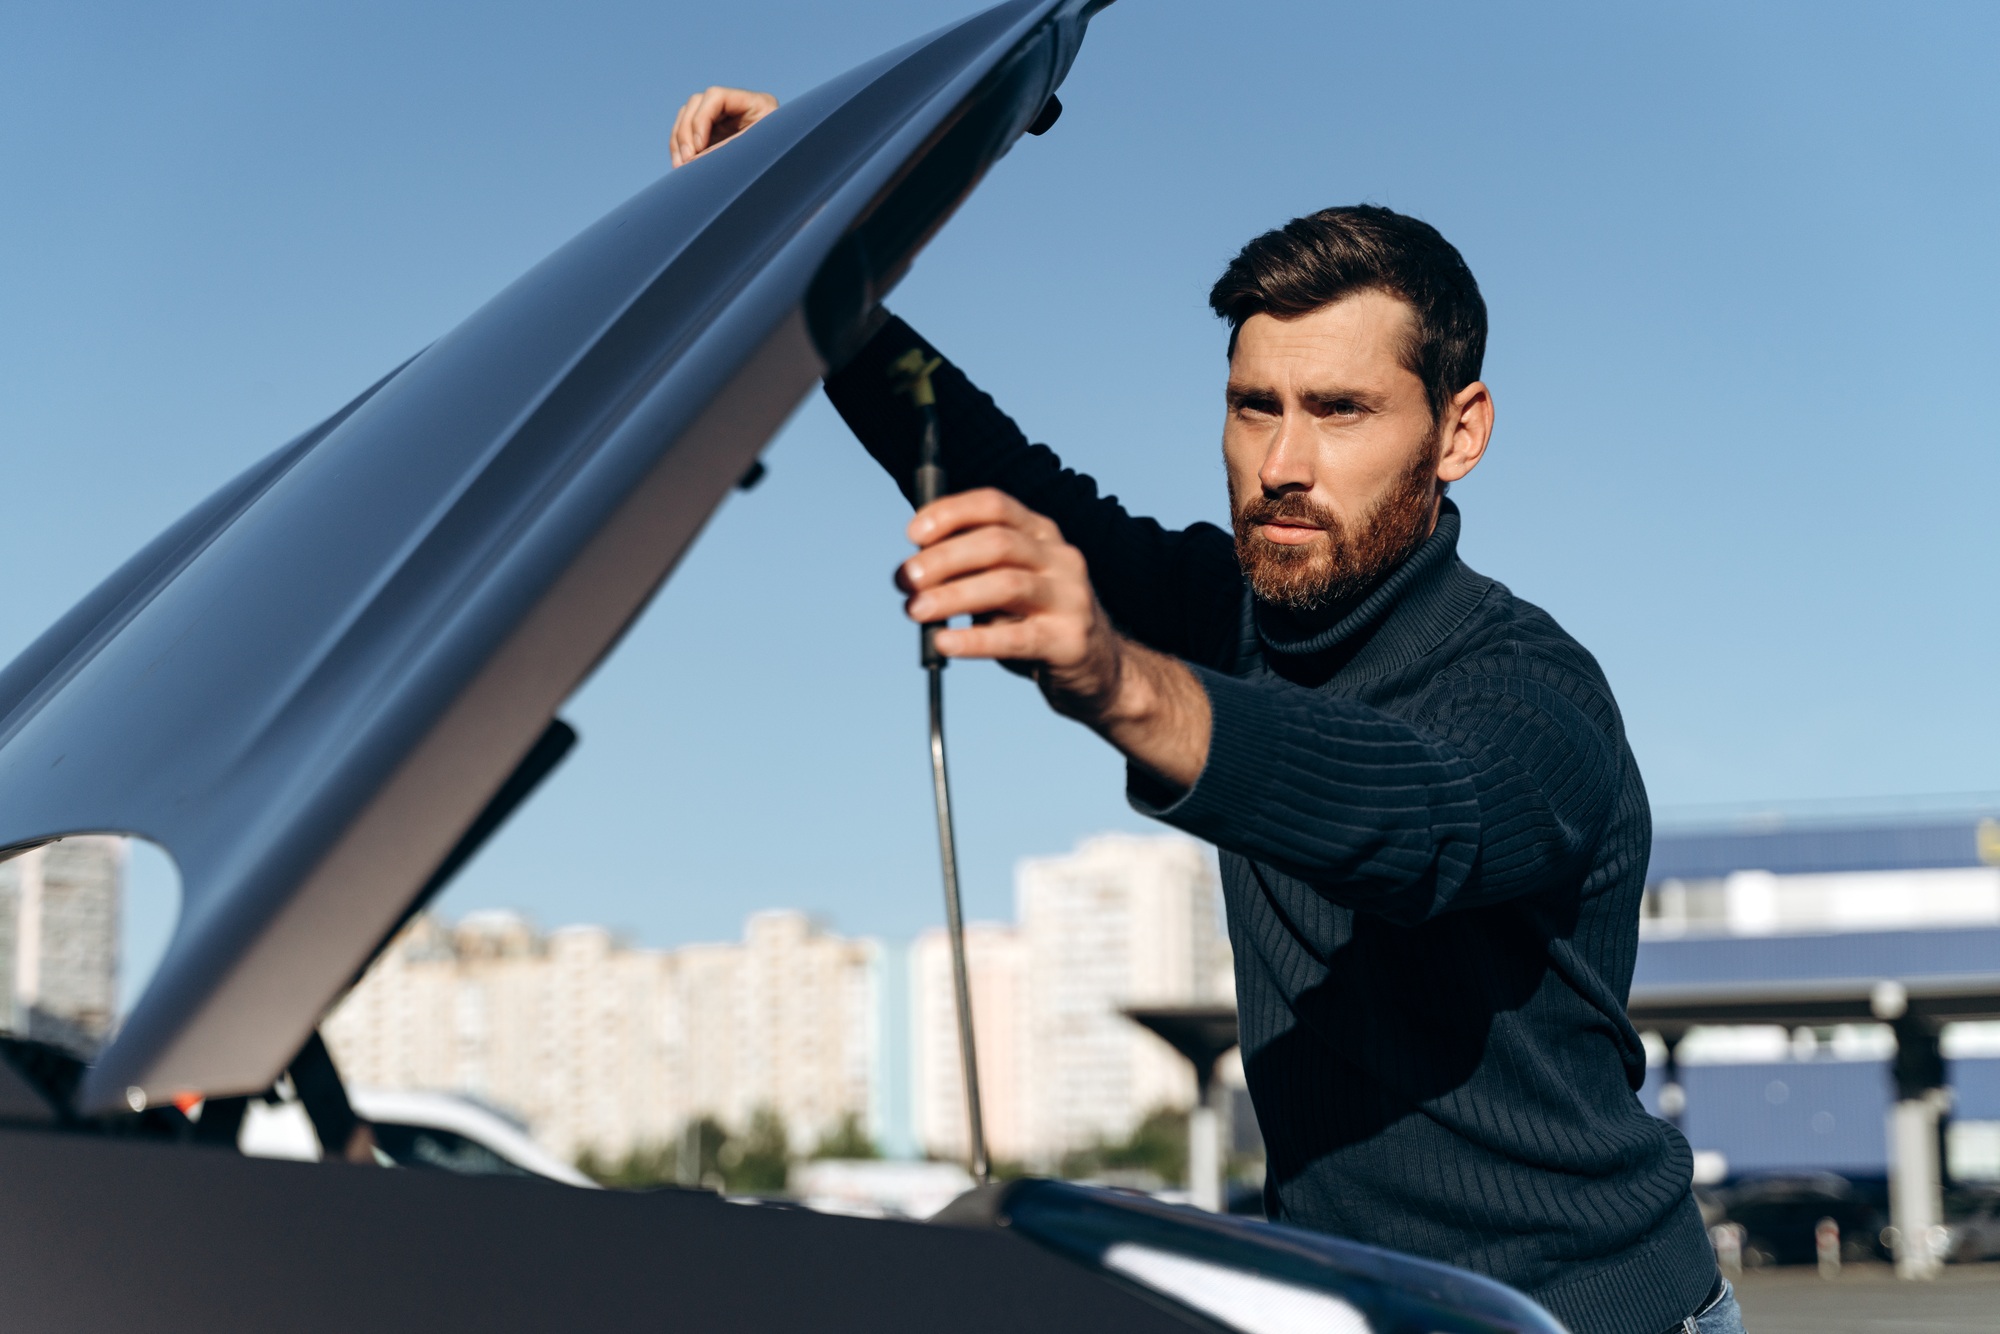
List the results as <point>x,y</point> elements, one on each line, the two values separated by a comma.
<point>412,1128</point>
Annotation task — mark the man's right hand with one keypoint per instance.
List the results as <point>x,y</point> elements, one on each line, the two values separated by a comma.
<point>988,556</point>
<point>714,115</point>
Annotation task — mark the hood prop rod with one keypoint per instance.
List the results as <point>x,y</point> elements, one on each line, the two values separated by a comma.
<point>915,371</point>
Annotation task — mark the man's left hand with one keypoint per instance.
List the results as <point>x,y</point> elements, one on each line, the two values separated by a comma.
<point>985,555</point>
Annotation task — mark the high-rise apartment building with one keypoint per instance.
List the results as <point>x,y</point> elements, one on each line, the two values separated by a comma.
<point>997,964</point>
<point>810,1020</point>
<point>59,941</point>
<point>600,1046</point>
<point>603,1047</point>
<point>1123,920</point>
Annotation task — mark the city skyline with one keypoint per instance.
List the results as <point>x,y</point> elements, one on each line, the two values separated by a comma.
<point>606,1046</point>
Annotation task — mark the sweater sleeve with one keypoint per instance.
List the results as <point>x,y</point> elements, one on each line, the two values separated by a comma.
<point>1500,787</point>
<point>1176,590</point>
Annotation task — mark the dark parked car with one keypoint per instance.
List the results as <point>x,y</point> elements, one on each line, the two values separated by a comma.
<point>1972,1223</point>
<point>325,686</point>
<point>1779,1215</point>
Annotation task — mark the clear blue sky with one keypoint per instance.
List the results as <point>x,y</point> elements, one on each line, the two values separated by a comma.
<point>1739,260</point>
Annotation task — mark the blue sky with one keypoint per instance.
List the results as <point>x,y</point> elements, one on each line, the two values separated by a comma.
<point>1739,261</point>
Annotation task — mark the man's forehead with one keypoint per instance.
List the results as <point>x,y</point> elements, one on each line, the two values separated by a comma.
<point>1367,332</point>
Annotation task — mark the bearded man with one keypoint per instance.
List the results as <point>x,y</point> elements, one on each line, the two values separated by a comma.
<point>1432,833</point>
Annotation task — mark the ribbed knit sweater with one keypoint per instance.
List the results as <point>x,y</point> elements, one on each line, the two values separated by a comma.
<point>1432,838</point>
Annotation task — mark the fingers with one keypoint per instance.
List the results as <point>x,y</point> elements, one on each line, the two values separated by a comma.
<point>677,141</point>
<point>683,139</point>
<point>712,116</point>
<point>988,556</point>
<point>974,509</point>
<point>1027,646</point>
<point>980,547</point>
<point>735,110</point>
<point>1015,643</point>
<point>1011,590</point>
<point>976,549</point>
<point>709,115</point>
<point>690,131</point>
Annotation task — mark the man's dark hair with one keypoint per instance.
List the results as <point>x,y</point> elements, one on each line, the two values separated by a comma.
<point>1316,260</point>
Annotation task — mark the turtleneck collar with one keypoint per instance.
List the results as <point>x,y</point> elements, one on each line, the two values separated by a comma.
<point>1288,635</point>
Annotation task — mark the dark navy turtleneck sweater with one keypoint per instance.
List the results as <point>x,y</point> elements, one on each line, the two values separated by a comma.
<point>1433,838</point>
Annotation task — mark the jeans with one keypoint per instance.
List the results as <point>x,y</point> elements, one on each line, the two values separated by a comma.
<point>1722,1316</point>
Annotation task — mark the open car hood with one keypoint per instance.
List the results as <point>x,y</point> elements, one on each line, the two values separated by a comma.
<point>311,688</point>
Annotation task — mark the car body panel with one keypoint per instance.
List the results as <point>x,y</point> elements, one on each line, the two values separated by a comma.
<point>205,1239</point>
<point>309,688</point>
<point>1233,1270</point>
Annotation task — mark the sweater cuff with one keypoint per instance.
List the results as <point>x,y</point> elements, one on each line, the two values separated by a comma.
<point>866,372</point>
<point>1239,713</point>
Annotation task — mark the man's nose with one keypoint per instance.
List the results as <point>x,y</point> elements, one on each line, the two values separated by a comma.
<point>1288,463</point>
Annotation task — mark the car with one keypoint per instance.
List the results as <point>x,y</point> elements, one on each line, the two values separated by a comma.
<point>1972,1223</point>
<point>1781,1212</point>
<point>328,684</point>
<point>417,1128</point>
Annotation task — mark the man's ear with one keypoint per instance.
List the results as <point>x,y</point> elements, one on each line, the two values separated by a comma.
<point>1467,427</point>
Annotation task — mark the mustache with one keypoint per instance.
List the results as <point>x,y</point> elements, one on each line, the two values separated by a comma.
<point>1294,509</point>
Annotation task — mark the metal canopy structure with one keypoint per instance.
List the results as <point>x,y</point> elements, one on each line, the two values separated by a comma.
<point>1916,979</point>
<point>1941,976</point>
<point>1820,846</point>
<point>1202,1034</point>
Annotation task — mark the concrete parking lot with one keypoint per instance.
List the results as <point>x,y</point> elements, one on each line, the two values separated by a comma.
<point>1870,1299</point>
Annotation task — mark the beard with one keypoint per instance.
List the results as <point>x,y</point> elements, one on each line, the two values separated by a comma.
<point>1319,574</point>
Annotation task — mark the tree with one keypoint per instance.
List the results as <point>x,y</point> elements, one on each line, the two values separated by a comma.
<point>757,1162</point>
<point>642,1168</point>
<point>1157,1145</point>
<point>652,1165</point>
<point>846,1140</point>
<point>705,1139</point>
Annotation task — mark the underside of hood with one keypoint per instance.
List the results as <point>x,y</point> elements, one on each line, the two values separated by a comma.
<point>310,688</point>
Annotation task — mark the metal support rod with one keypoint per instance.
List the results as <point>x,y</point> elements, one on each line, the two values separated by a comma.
<point>954,921</point>
<point>915,372</point>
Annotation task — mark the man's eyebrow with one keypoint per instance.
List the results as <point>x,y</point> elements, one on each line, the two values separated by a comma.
<point>1365,399</point>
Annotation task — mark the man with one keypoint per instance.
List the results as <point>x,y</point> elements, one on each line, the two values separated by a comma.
<point>1433,836</point>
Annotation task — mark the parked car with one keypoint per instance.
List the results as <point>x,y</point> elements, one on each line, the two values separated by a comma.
<point>1780,1212</point>
<point>411,1128</point>
<point>329,683</point>
<point>1972,1223</point>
